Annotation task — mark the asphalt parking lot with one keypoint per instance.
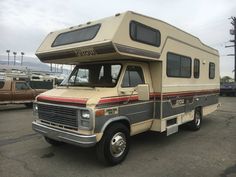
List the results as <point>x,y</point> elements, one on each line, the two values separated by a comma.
<point>208,152</point>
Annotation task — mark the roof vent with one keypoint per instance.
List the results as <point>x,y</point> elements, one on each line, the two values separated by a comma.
<point>88,23</point>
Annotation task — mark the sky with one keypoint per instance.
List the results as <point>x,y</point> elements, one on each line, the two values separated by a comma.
<point>25,23</point>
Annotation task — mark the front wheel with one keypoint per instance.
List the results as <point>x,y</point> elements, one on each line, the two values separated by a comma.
<point>114,145</point>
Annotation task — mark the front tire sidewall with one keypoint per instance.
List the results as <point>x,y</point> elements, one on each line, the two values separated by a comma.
<point>103,148</point>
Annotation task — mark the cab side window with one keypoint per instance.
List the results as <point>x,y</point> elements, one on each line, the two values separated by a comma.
<point>21,86</point>
<point>133,76</point>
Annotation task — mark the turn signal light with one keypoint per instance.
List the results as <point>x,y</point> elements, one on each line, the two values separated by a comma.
<point>100,112</point>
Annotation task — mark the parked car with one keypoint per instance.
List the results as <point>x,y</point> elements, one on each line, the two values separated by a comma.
<point>228,89</point>
<point>17,91</point>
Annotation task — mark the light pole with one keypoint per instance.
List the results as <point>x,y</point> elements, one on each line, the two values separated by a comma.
<point>8,56</point>
<point>22,53</point>
<point>14,53</point>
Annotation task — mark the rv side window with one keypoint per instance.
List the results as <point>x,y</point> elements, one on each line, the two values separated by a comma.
<point>2,83</point>
<point>144,34</point>
<point>211,70</point>
<point>178,66</point>
<point>79,35</point>
<point>196,68</point>
<point>133,76</point>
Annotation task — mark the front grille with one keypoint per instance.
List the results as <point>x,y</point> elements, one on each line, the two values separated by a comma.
<point>63,116</point>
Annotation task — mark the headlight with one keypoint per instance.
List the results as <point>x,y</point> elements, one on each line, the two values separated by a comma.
<point>35,109</point>
<point>85,114</point>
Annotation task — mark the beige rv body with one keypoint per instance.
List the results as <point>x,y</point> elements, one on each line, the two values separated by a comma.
<point>170,97</point>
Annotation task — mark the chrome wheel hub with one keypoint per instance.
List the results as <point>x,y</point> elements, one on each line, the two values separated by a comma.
<point>198,120</point>
<point>118,144</point>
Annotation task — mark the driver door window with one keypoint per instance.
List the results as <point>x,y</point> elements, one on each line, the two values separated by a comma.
<point>133,76</point>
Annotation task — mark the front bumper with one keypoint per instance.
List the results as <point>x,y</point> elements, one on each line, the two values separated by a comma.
<point>63,136</point>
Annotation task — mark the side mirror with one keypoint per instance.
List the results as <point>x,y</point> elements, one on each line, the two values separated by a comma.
<point>143,92</point>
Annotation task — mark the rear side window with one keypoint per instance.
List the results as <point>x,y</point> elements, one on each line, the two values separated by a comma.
<point>2,83</point>
<point>178,66</point>
<point>133,76</point>
<point>21,86</point>
<point>211,70</point>
<point>144,34</point>
<point>196,68</point>
<point>79,35</point>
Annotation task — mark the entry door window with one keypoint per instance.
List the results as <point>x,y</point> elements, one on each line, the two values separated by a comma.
<point>133,76</point>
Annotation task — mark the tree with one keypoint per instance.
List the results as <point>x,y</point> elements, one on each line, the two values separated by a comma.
<point>226,79</point>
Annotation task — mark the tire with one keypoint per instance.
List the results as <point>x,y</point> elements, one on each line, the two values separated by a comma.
<point>114,145</point>
<point>196,123</point>
<point>52,141</point>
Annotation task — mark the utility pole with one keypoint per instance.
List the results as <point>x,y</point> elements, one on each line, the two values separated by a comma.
<point>233,32</point>
<point>14,53</point>
<point>22,54</point>
<point>234,23</point>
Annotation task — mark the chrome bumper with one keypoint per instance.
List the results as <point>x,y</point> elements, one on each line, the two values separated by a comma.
<point>63,136</point>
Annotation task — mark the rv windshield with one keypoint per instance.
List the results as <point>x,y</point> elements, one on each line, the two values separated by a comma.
<point>94,75</point>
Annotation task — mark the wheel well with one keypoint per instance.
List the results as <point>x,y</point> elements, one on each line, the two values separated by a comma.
<point>123,121</point>
<point>199,108</point>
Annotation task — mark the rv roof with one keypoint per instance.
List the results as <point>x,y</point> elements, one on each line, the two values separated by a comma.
<point>110,38</point>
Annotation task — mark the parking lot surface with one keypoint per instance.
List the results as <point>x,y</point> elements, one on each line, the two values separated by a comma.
<point>208,152</point>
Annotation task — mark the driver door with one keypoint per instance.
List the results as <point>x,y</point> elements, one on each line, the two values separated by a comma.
<point>134,109</point>
<point>22,92</point>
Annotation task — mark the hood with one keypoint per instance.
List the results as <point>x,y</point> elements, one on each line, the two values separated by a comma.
<point>76,95</point>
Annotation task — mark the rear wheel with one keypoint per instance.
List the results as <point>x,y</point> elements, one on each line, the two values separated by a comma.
<point>196,123</point>
<point>114,145</point>
<point>52,141</point>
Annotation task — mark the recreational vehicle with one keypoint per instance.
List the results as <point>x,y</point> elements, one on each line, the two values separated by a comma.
<point>133,74</point>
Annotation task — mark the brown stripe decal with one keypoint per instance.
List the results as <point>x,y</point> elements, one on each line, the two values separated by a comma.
<point>56,55</point>
<point>120,99</point>
<point>157,95</point>
<point>192,93</point>
<point>136,51</point>
<point>105,48</point>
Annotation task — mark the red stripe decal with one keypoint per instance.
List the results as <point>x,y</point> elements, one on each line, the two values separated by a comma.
<point>117,99</point>
<point>68,100</point>
<point>193,93</point>
<point>124,98</point>
<point>156,94</point>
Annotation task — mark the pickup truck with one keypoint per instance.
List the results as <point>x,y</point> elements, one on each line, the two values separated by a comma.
<point>14,91</point>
